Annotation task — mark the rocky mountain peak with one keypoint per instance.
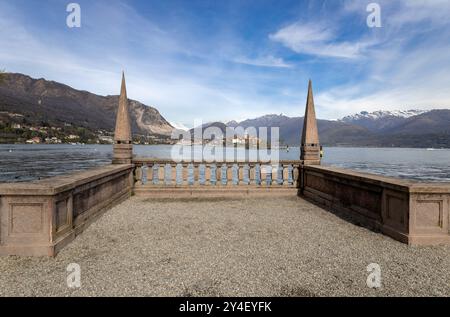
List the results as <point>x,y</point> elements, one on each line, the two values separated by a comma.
<point>45,100</point>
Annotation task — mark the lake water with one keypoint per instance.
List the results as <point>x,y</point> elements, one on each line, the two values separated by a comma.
<point>20,163</point>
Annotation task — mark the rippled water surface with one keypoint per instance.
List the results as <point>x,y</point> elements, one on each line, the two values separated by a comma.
<point>29,162</point>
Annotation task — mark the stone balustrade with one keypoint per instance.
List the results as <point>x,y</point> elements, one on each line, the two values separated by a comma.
<point>167,172</point>
<point>166,178</point>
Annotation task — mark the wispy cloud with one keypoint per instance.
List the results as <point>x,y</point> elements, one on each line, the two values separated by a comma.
<point>266,61</point>
<point>317,39</point>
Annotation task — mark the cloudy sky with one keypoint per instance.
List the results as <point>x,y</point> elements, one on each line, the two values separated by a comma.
<point>238,59</point>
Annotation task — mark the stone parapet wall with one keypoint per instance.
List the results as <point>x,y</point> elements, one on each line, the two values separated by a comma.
<point>408,211</point>
<point>39,218</point>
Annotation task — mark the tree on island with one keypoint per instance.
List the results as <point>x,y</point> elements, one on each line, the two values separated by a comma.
<point>2,76</point>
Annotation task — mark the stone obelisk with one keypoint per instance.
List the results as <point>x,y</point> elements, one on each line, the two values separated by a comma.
<point>310,147</point>
<point>123,147</point>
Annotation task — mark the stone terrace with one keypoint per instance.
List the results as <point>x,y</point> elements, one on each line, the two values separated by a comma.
<point>229,247</point>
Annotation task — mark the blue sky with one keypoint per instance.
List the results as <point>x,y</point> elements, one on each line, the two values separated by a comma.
<point>238,59</point>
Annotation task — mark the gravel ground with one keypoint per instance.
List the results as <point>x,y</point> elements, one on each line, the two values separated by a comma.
<point>246,247</point>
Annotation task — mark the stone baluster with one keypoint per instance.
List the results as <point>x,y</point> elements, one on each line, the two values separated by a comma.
<point>144,174</point>
<point>229,174</point>
<point>257,176</point>
<point>191,174</point>
<point>279,174</point>
<point>235,174</point>
<point>218,174</point>
<point>296,174</point>
<point>263,173</point>
<point>213,174</point>
<point>246,174</point>
<point>274,176</point>
<point>167,174</point>
<point>223,174</point>
<point>286,175</point>
<point>138,175</point>
<point>161,174</point>
<point>173,174</point>
<point>179,174</point>
<point>151,173</point>
<point>154,174</point>
<point>185,174</point>
<point>207,174</point>
<point>201,174</point>
<point>291,175</point>
<point>268,175</point>
<point>251,173</point>
<point>241,174</point>
<point>196,173</point>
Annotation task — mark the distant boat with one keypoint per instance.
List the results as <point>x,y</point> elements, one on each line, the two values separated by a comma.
<point>430,149</point>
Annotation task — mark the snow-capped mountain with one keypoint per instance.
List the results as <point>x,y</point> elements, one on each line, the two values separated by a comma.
<point>380,114</point>
<point>402,128</point>
<point>382,120</point>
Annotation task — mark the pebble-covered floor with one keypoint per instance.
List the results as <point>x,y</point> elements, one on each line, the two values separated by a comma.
<point>222,247</point>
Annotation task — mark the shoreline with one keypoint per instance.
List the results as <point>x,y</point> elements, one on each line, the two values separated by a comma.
<point>229,147</point>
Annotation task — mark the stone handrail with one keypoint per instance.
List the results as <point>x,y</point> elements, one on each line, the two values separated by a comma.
<point>149,171</point>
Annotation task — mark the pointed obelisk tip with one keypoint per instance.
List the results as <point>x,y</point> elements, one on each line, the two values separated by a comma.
<point>123,149</point>
<point>309,151</point>
<point>123,88</point>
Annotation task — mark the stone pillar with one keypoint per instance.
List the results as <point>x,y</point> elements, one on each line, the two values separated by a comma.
<point>310,147</point>
<point>123,147</point>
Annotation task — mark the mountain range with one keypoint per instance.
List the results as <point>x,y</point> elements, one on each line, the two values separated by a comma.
<point>56,104</point>
<point>40,100</point>
<point>411,128</point>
